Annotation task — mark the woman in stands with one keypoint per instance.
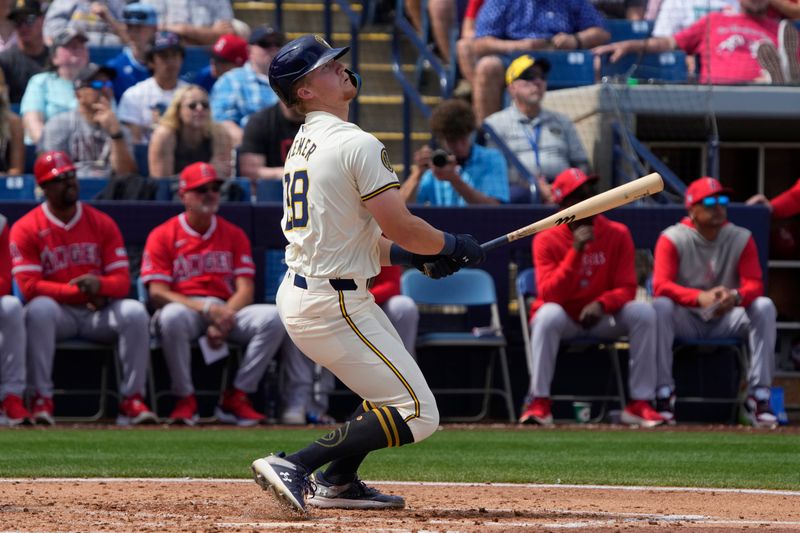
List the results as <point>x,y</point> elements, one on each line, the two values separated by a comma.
<point>12,147</point>
<point>186,134</point>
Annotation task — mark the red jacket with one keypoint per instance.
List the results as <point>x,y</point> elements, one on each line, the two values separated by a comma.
<point>667,263</point>
<point>787,204</point>
<point>603,271</point>
<point>387,284</point>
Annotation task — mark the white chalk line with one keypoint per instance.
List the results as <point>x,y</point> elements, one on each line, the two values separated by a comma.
<point>766,492</point>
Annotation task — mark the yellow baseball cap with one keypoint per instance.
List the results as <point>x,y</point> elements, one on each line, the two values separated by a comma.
<point>523,63</point>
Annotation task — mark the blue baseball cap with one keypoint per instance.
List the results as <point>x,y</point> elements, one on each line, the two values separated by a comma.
<point>139,14</point>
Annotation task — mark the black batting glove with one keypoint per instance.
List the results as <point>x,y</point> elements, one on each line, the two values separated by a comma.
<point>468,251</point>
<point>441,267</point>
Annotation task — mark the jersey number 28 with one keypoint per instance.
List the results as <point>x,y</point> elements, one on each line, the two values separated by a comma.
<point>296,199</point>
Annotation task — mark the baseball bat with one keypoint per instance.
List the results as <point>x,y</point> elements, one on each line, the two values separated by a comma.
<point>605,201</point>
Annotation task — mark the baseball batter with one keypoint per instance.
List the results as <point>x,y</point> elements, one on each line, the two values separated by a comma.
<point>12,342</point>
<point>340,195</point>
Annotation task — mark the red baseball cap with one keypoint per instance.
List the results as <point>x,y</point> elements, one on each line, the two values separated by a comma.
<point>50,165</point>
<point>703,188</point>
<point>196,175</point>
<point>568,181</point>
<point>230,48</point>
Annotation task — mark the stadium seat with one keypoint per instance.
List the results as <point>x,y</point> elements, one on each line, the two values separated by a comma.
<point>623,29</point>
<point>91,187</point>
<point>664,66</point>
<point>30,158</point>
<point>569,69</point>
<point>526,293</point>
<point>470,288</point>
<point>269,191</point>
<point>18,187</point>
<point>103,54</point>
<point>142,163</point>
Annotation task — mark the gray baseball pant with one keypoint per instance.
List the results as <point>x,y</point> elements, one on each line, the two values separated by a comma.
<point>757,323</point>
<point>257,326</point>
<point>123,321</point>
<point>307,384</point>
<point>12,347</point>
<point>637,320</point>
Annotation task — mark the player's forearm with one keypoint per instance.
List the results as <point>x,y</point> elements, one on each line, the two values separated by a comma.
<point>240,299</point>
<point>115,285</point>
<point>161,295</point>
<point>64,293</point>
<point>417,236</point>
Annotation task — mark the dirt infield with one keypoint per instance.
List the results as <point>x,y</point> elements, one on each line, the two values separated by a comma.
<point>220,505</point>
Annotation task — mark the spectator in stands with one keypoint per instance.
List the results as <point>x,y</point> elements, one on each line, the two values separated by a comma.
<point>50,93</point>
<point>727,43</point>
<point>466,173</point>
<point>199,272</point>
<point>186,134</point>
<point>198,22</point>
<point>301,402</point>
<point>98,144</point>
<point>8,31</point>
<point>267,138</point>
<point>12,140</point>
<point>621,9</point>
<point>499,36</point>
<point>545,142</point>
<point>785,205</point>
<point>465,52</point>
<point>708,283</point>
<point>142,105</point>
<point>674,16</point>
<point>29,55</point>
<point>245,90</point>
<point>99,20</point>
<point>12,342</point>
<point>71,266</point>
<point>789,9</point>
<point>229,52</point>
<point>141,22</point>
<point>586,285</point>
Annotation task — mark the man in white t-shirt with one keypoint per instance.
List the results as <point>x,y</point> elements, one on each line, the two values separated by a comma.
<point>676,15</point>
<point>142,105</point>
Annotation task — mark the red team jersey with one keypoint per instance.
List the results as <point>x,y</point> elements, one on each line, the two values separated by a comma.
<point>47,254</point>
<point>197,265</point>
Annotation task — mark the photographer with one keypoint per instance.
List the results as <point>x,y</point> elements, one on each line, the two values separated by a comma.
<point>460,172</point>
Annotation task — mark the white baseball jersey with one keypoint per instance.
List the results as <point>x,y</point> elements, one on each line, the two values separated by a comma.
<point>331,169</point>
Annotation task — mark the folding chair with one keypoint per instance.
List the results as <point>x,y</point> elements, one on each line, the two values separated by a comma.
<point>470,288</point>
<point>526,293</point>
<point>155,344</point>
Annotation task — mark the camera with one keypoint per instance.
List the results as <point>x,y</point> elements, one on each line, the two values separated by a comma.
<point>440,158</point>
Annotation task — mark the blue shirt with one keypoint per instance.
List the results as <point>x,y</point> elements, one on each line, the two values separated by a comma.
<point>239,93</point>
<point>49,94</point>
<point>485,171</point>
<point>201,77</point>
<point>129,71</point>
<point>535,19</point>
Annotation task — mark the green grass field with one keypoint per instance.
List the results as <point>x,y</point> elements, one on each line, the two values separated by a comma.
<point>591,456</point>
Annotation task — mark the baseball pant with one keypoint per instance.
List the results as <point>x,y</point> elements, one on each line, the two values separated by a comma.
<point>123,321</point>
<point>12,347</point>
<point>348,333</point>
<point>306,385</point>
<point>551,325</point>
<point>757,323</point>
<point>257,326</point>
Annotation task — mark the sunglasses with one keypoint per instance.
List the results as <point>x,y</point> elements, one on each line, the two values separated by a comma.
<point>532,75</point>
<point>194,105</point>
<point>711,201</point>
<point>213,187</point>
<point>98,85</point>
<point>64,176</point>
<point>25,20</point>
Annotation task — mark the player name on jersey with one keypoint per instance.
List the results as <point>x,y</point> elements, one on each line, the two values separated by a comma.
<point>302,146</point>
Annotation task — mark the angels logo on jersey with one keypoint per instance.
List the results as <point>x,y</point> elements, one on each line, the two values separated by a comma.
<point>64,257</point>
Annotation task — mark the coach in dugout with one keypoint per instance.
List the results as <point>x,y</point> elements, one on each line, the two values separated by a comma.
<point>71,266</point>
<point>709,284</point>
<point>586,284</point>
<point>199,271</point>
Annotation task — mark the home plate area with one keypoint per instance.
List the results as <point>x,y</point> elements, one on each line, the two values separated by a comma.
<point>239,505</point>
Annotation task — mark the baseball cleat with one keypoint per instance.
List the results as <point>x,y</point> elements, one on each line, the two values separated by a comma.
<point>42,410</point>
<point>353,495</point>
<point>759,414</point>
<point>666,408</point>
<point>286,481</point>
<point>185,411</point>
<point>133,412</point>
<point>640,413</point>
<point>236,408</point>
<point>13,412</point>
<point>537,412</point>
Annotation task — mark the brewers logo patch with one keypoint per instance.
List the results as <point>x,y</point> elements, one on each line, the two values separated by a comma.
<point>385,160</point>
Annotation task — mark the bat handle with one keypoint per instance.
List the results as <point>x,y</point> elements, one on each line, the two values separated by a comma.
<point>495,243</point>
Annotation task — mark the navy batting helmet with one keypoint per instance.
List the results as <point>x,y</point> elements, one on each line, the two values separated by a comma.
<point>299,57</point>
